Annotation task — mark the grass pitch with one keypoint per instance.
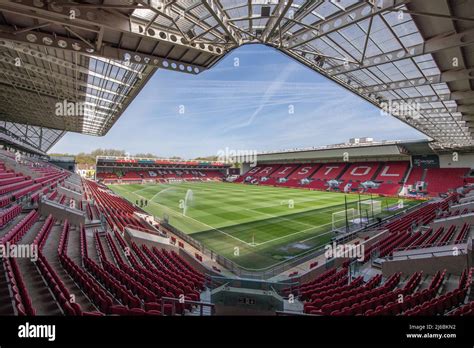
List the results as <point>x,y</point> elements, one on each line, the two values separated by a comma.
<point>254,226</point>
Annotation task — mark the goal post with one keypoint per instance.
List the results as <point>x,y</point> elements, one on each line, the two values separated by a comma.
<point>370,208</point>
<point>360,213</point>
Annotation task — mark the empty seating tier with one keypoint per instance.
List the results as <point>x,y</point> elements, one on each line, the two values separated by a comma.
<point>378,297</point>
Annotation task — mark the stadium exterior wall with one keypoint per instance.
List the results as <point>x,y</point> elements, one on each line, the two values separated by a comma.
<point>366,152</point>
<point>463,160</point>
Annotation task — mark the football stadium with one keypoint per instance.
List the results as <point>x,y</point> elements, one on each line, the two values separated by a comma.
<point>307,214</point>
<point>276,224</point>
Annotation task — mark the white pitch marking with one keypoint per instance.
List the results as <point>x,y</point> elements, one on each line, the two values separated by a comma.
<point>200,222</point>
<point>164,190</point>
<point>264,206</point>
<point>142,189</point>
<point>292,234</point>
<point>280,217</point>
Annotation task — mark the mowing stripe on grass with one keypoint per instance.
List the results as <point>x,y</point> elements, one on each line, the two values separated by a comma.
<point>223,216</point>
<point>200,222</point>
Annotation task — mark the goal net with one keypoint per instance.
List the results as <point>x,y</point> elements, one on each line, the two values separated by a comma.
<point>370,208</point>
<point>344,218</point>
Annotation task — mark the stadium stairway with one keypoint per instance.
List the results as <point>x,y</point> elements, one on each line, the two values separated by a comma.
<point>6,306</point>
<point>285,171</point>
<point>41,297</point>
<point>51,254</point>
<point>378,171</point>
<point>106,248</point>
<point>86,263</point>
<point>342,172</point>
<point>91,246</point>
<point>423,175</point>
<point>467,309</point>
<point>73,239</point>
<point>416,174</point>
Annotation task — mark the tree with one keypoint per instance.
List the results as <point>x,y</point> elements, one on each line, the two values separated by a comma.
<point>90,158</point>
<point>146,155</point>
<point>207,158</point>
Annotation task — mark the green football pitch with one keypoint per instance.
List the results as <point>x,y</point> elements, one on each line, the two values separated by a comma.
<point>254,226</point>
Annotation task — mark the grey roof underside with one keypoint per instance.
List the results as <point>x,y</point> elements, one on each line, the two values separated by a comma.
<point>102,53</point>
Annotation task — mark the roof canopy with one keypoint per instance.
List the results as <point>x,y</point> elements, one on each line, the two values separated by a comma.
<point>100,53</point>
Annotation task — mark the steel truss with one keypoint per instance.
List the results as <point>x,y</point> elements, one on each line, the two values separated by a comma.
<point>102,52</point>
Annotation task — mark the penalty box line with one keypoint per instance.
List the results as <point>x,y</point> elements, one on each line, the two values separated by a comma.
<point>294,233</point>
<point>253,244</point>
<point>148,187</point>
<point>200,222</point>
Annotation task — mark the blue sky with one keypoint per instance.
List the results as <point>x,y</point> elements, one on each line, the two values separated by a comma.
<point>254,99</point>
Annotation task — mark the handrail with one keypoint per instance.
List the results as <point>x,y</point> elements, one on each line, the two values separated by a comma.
<point>174,301</point>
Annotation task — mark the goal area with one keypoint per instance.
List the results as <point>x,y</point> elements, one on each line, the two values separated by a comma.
<point>362,213</point>
<point>370,208</point>
<point>341,220</point>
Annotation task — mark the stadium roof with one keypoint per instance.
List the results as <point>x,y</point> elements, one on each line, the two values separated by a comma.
<point>101,53</point>
<point>373,151</point>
